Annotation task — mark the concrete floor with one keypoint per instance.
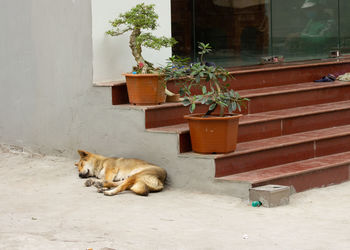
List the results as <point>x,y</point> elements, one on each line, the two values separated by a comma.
<point>44,205</point>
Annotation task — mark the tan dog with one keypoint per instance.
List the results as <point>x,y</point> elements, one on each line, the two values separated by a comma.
<point>120,174</point>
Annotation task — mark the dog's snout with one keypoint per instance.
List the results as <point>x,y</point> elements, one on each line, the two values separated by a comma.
<point>81,175</point>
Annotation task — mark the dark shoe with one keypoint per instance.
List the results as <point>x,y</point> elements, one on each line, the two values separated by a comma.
<point>325,79</point>
<point>333,77</point>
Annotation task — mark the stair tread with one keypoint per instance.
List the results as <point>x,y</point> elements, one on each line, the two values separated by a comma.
<point>296,87</point>
<point>295,112</point>
<point>280,141</point>
<point>290,169</point>
<point>288,88</point>
<point>267,116</point>
<point>173,129</point>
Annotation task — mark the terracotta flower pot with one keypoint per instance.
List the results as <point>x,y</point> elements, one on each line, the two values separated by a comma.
<point>145,89</point>
<point>213,134</point>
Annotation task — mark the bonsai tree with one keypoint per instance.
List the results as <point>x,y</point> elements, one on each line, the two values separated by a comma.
<point>211,82</point>
<point>141,17</point>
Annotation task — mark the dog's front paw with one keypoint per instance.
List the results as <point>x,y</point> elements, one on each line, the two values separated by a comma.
<point>89,182</point>
<point>100,190</point>
<point>98,184</point>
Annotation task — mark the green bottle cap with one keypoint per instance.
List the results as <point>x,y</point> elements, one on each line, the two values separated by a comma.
<point>256,203</point>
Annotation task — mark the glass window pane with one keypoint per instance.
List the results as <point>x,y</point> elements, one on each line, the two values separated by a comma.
<point>344,10</point>
<point>182,27</point>
<point>304,29</point>
<point>243,31</point>
<point>238,30</point>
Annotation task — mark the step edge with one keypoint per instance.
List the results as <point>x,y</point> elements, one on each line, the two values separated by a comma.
<point>331,165</point>
<point>325,137</point>
<point>303,171</point>
<point>268,117</point>
<point>318,86</point>
<point>215,157</point>
<point>293,65</point>
<point>288,116</point>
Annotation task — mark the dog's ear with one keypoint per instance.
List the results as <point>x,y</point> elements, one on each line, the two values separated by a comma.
<point>83,153</point>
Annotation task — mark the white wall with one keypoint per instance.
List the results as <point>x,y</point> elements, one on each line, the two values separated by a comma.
<point>112,55</point>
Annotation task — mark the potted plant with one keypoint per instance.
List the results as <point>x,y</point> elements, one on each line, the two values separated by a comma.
<point>144,84</point>
<point>214,131</point>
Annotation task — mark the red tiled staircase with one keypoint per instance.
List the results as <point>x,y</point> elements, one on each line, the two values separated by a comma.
<point>295,132</point>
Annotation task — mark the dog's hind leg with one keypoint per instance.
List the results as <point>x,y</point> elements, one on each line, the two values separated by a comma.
<point>104,186</point>
<point>140,188</point>
<point>126,184</point>
<point>107,182</point>
<point>110,184</point>
<point>153,183</point>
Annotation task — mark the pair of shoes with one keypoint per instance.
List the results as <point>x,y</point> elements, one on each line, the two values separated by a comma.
<point>328,78</point>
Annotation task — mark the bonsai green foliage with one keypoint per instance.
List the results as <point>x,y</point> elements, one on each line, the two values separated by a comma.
<point>209,78</point>
<point>141,17</point>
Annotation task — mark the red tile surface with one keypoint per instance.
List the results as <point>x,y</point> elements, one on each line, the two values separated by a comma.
<point>316,121</point>
<point>333,145</point>
<point>285,100</point>
<point>315,179</point>
<point>263,159</point>
<point>295,169</point>
<point>119,94</point>
<point>256,131</point>
<point>283,149</point>
<point>260,76</point>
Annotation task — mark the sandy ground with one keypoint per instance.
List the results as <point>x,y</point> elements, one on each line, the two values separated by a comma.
<point>44,205</point>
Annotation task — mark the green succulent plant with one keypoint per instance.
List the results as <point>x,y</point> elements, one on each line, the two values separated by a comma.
<point>211,80</point>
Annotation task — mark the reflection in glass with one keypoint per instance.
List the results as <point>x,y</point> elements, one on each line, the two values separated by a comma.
<point>243,31</point>
<point>344,26</point>
<point>237,29</point>
<point>304,29</point>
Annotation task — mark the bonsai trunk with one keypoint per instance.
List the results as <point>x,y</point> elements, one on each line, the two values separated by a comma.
<point>136,49</point>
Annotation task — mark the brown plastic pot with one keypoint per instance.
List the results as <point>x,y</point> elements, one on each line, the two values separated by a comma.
<point>213,134</point>
<point>145,89</point>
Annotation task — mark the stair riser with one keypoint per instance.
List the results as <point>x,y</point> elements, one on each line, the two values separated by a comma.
<point>263,159</point>
<point>268,129</point>
<point>315,179</point>
<point>185,144</point>
<point>259,79</point>
<point>169,116</point>
<point>332,146</point>
<point>282,155</point>
<point>262,130</point>
<point>298,99</point>
<point>278,76</point>
<point>174,115</point>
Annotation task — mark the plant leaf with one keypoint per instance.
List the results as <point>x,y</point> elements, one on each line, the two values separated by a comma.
<point>186,102</point>
<point>212,106</point>
<point>192,107</point>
